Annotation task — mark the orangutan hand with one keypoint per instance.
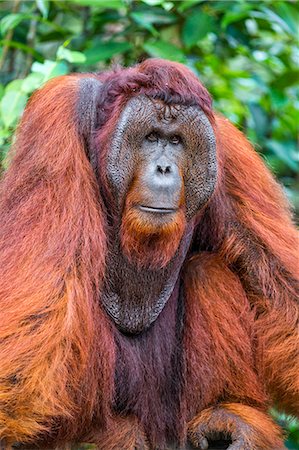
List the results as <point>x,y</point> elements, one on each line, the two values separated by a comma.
<point>245,427</point>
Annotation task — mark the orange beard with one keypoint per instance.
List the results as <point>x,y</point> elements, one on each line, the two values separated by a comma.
<point>148,241</point>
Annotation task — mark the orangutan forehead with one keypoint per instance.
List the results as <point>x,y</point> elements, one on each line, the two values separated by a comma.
<point>165,112</point>
<point>144,111</point>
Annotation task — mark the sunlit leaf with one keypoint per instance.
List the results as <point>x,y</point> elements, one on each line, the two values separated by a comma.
<point>11,107</point>
<point>166,5</point>
<point>289,13</point>
<point>70,55</point>
<point>113,4</point>
<point>31,82</point>
<point>50,69</point>
<point>15,85</point>
<point>272,18</point>
<point>43,6</point>
<point>154,17</point>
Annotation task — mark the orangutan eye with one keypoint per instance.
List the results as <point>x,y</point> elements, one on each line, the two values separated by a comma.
<point>152,137</point>
<point>175,140</point>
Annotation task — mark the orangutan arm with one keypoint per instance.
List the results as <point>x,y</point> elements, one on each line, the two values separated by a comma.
<point>225,395</point>
<point>248,223</point>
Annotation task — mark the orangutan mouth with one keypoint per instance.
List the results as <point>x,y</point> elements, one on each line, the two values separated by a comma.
<point>151,209</point>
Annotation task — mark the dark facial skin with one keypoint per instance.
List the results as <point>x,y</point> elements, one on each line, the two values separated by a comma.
<point>178,138</point>
<point>171,152</point>
<point>162,155</point>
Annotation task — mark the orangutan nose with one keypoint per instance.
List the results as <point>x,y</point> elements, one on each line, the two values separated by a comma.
<point>163,170</point>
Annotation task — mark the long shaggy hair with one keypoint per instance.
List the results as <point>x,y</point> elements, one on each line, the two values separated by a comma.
<point>150,243</point>
<point>57,346</point>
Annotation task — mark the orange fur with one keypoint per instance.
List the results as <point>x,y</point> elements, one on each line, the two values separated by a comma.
<point>218,316</point>
<point>57,352</point>
<point>257,200</point>
<point>147,242</point>
<point>262,241</point>
<point>124,434</point>
<point>54,354</point>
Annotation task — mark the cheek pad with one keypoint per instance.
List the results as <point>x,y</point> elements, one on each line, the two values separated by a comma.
<point>200,176</point>
<point>122,160</point>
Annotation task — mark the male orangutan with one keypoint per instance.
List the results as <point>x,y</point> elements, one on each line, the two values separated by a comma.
<point>148,267</point>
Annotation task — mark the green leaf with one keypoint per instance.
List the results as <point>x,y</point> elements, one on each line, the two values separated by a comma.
<point>15,85</point>
<point>31,82</point>
<point>4,134</point>
<point>161,49</point>
<point>43,6</point>
<point>144,24</point>
<point>196,27</point>
<point>232,17</point>
<point>187,4</point>
<point>12,106</point>
<point>154,16</point>
<point>11,21</point>
<point>50,69</point>
<point>23,47</point>
<point>103,51</point>
<point>260,118</point>
<point>289,14</point>
<point>272,18</point>
<point>4,149</point>
<point>112,4</point>
<point>286,152</point>
<point>286,79</point>
<point>166,5</point>
<point>70,55</point>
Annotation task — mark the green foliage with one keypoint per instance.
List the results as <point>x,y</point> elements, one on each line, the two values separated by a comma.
<point>292,428</point>
<point>245,52</point>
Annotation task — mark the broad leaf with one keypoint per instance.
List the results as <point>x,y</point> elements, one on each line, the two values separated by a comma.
<point>12,106</point>
<point>11,21</point>
<point>105,50</point>
<point>154,17</point>
<point>161,49</point>
<point>70,55</point>
<point>50,69</point>
<point>286,151</point>
<point>196,27</point>
<point>31,82</point>
<point>15,85</point>
<point>112,4</point>
<point>43,6</point>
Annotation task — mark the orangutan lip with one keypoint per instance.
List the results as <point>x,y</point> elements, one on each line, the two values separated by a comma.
<point>157,210</point>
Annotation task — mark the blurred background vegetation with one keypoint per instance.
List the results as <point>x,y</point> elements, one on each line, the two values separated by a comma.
<point>245,52</point>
